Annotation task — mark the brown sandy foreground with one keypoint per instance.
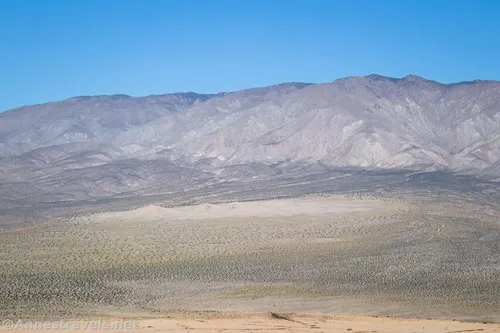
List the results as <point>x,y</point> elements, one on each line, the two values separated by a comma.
<point>261,323</point>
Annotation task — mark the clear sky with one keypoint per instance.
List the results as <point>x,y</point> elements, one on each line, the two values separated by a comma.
<point>55,49</point>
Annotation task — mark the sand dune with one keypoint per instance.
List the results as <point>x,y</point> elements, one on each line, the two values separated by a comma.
<point>311,205</point>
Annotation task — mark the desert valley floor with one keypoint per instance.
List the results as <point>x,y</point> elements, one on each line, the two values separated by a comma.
<point>406,256</point>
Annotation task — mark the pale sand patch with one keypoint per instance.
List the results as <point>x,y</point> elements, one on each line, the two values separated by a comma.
<point>295,323</point>
<point>313,205</point>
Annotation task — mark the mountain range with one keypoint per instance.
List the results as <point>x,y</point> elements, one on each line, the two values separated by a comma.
<point>98,147</point>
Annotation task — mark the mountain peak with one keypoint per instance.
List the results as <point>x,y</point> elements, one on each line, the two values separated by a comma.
<point>409,78</point>
<point>379,77</point>
<point>414,78</point>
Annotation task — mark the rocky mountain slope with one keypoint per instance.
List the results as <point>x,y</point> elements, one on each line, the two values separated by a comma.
<point>369,122</point>
<point>96,147</point>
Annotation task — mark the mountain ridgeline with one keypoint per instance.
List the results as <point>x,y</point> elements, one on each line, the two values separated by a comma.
<point>103,146</point>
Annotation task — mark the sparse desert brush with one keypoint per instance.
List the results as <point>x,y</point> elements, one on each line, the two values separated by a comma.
<point>403,255</point>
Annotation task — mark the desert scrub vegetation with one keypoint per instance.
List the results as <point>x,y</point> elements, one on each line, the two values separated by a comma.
<point>424,250</point>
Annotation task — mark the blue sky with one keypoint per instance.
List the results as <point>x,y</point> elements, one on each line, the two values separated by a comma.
<point>55,49</point>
